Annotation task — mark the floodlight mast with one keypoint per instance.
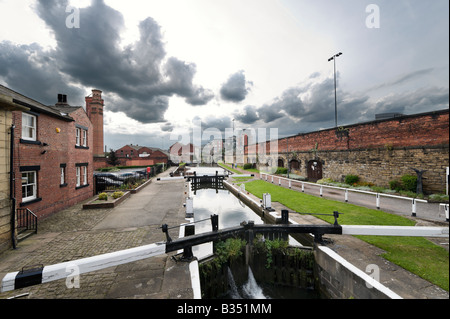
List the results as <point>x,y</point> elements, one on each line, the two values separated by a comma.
<point>333,58</point>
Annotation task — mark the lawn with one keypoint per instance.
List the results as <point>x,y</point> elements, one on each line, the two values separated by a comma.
<point>418,255</point>
<point>229,168</point>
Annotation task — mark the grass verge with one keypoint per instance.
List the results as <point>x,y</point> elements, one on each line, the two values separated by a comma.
<point>415,254</point>
<point>229,168</point>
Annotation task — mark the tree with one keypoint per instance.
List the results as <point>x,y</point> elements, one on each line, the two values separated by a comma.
<point>112,158</point>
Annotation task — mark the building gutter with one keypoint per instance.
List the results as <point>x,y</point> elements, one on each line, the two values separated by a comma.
<point>11,190</point>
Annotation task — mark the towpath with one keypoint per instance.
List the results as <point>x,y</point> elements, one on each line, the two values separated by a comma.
<point>76,233</point>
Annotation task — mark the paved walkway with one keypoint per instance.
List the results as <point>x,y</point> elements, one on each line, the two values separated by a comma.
<point>76,233</point>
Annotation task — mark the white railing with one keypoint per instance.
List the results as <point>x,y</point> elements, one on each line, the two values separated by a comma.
<point>414,201</point>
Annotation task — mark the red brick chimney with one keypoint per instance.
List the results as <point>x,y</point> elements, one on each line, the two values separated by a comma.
<point>94,110</point>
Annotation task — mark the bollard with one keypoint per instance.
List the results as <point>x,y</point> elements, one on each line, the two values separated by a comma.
<point>267,201</point>
<point>303,187</point>
<point>290,183</point>
<point>321,191</point>
<point>189,207</point>
<point>346,195</point>
<point>279,181</point>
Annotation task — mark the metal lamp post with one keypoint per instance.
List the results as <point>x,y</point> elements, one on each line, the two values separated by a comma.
<point>335,94</point>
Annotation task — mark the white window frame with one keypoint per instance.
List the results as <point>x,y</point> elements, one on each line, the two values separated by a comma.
<point>78,136</point>
<point>78,176</point>
<point>84,140</point>
<point>63,175</point>
<point>84,173</point>
<point>26,127</point>
<point>33,195</point>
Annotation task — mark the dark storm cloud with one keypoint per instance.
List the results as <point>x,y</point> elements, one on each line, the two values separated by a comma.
<point>167,127</point>
<point>236,88</point>
<point>249,116</point>
<point>140,76</point>
<point>422,100</point>
<point>310,106</point>
<point>28,69</point>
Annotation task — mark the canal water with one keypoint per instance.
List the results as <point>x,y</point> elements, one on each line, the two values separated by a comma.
<point>232,212</point>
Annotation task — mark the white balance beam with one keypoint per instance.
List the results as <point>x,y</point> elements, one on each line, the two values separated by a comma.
<point>63,270</point>
<point>408,231</point>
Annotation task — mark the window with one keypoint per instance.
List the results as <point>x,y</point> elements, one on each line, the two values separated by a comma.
<point>28,127</point>
<point>29,186</point>
<point>82,175</point>
<point>62,169</point>
<point>78,136</point>
<point>84,140</point>
<point>63,177</point>
<point>78,176</point>
<point>81,139</point>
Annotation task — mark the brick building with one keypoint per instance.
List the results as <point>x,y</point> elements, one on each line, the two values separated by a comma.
<point>136,155</point>
<point>377,151</point>
<point>52,154</point>
<point>7,203</point>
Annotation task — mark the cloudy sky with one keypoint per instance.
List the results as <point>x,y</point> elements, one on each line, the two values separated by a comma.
<point>167,66</point>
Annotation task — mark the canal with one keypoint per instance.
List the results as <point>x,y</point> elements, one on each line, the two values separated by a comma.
<point>232,212</point>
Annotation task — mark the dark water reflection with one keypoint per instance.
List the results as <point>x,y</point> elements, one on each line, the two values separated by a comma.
<point>219,202</point>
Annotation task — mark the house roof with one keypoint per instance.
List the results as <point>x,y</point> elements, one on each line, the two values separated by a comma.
<point>34,105</point>
<point>138,147</point>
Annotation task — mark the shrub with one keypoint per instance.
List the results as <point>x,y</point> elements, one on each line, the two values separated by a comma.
<point>103,196</point>
<point>281,170</point>
<point>248,166</point>
<point>117,195</point>
<point>395,185</point>
<point>409,183</point>
<point>351,179</point>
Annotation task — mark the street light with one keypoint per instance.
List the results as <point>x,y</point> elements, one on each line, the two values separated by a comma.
<point>335,94</point>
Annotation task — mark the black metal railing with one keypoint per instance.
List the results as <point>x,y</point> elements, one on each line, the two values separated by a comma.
<point>108,181</point>
<point>26,220</point>
<point>247,231</point>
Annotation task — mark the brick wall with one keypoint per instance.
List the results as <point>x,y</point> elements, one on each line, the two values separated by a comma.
<point>60,150</point>
<point>428,129</point>
<point>377,151</point>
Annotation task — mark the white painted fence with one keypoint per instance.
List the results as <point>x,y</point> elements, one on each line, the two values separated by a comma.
<point>378,196</point>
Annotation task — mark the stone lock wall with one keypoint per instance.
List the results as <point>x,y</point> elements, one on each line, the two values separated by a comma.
<point>381,165</point>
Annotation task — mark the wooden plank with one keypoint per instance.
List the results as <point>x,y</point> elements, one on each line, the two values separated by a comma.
<point>408,231</point>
